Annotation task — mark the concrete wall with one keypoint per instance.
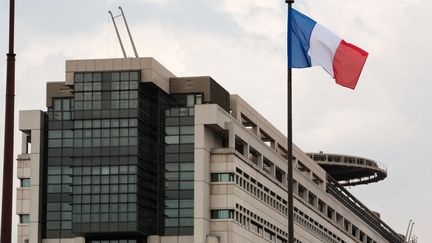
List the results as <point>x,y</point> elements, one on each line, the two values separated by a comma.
<point>29,166</point>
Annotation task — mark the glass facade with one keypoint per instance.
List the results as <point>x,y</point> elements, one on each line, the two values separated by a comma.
<point>119,159</point>
<point>58,170</point>
<point>179,166</point>
<point>105,152</point>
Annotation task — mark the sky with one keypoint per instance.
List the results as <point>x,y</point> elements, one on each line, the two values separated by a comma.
<point>242,45</point>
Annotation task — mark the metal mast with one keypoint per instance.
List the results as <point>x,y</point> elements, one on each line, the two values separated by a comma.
<point>118,35</point>
<point>129,33</point>
<point>6,215</point>
<point>289,134</point>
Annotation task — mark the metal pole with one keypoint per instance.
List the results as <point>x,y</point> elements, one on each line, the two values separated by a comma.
<point>406,235</point>
<point>130,36</point>
<point>409,236</point>
<point>289,138</point>
<point>6,216</point>
<point>118,35</point>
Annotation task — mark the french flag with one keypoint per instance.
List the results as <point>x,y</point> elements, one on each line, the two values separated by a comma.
<point>311,44</point>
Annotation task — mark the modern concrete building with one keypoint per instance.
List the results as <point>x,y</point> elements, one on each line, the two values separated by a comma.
<point>129,153</point>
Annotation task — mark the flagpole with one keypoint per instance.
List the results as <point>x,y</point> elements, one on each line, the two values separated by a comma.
<point>6,214</point>
<point>289,136</point>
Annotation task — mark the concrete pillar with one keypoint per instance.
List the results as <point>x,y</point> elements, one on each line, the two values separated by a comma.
<point>260,161</point>
<point>273,170</point>
<point>24,149</point>
<point>246,150</point>
<point>231,134</point>
<point>212,239</point>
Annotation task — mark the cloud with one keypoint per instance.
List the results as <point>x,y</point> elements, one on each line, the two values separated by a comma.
<point>262,18</point>
<point>158,2</point>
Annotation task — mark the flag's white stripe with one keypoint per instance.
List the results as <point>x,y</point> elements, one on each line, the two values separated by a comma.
<point>323,45</point>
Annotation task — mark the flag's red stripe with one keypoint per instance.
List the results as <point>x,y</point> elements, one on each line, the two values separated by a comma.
<point>348,63</point>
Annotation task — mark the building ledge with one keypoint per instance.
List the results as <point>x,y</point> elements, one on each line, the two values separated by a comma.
<point>23,157</point>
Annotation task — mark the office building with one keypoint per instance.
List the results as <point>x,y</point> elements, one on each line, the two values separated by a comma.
<point>126,152</point>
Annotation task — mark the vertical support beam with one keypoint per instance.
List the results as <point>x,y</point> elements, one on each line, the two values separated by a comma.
<point>260,161</point>
<point>231,134</point>
<point>246,150</point>
<point>24,143</point>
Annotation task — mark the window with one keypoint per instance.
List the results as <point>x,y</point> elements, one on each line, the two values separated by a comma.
<point>222,214</point>
<point>25,182</point>
<point>222,177</point>
<point>24,218</point>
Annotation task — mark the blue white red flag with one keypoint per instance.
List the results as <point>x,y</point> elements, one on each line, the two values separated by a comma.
<point>311,44</point>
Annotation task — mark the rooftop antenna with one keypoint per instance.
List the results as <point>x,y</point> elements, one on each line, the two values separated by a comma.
<point>409,236</point>
<point>118,35</point>
<point>409,224</point>
<point>129,33</point>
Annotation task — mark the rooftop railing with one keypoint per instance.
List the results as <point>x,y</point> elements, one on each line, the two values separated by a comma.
<point>347,199</point>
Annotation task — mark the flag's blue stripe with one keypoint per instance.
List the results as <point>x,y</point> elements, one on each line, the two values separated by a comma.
<point>299,32</point>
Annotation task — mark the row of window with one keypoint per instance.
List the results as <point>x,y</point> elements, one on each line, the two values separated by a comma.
<point>106,95</point>
<point>122,188</point>
<point>108,179</point>
<point>106,86</point>
<point>179,139</point>
<point>95,133</point>
<point>321,207</point>
<point>110,197</point>
<point>179,185</point>
<point>183,111</point>
<point>58,116</point>
<point>56,225</point>
<point>255,157</point>
<point>170,167</point>
<point>188,100</point>
<point>179,203</point>
<point>97,105</point>
<point>222,214</point>
<point>254,223</point>
<point>179,157</point>
<point>104,217</point>
<point>61,105</point>
<point>300,191</point>
<point>315,227</point>
<point>106,76</point>
<point>93,142</point>
<point>176,130</point>
<point>173,222</point>
<point>103,170</point>
<point>228,177</point>
<point>105,123</point>
<point>104,208</point>
<point>222,177</point>
<point>261,192</point>
<point>174,176</point>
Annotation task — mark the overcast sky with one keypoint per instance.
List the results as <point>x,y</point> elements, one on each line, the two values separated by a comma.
<point>242,45</point>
